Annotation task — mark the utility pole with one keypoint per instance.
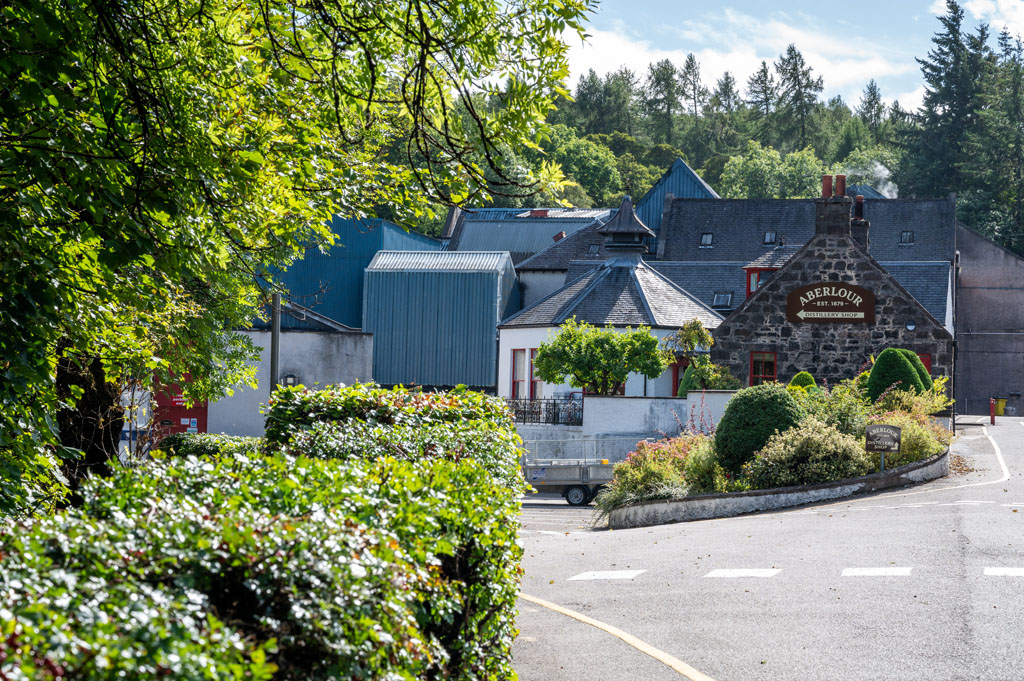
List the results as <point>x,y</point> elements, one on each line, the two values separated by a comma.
<point>275,341</point>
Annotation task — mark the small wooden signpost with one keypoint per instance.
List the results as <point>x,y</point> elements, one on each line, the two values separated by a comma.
<point>882,438</point>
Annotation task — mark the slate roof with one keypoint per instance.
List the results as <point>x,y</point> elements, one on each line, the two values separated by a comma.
<point>928,282</point>
<point>515,230</point>
<point>586,244</point>
<point>776,257</point>
<point>619,292</point>
<point>625,222</point>
<point>738,226</point>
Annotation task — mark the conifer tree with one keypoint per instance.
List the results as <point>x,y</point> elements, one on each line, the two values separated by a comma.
<point>662,97</point>
<point>798,94</point>
<point>871,108</point>
<point>763,97</point>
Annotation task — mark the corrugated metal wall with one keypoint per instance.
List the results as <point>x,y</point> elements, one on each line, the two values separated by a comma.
<point>434,328</point>
<point>339,273</point>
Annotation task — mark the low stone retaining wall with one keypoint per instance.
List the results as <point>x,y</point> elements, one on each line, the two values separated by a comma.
<point>736,503</point>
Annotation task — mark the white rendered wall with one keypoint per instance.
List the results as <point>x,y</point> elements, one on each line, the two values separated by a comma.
<point>525,338</point>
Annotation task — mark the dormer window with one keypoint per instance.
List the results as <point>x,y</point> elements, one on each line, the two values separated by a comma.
<point>706,239</point>
<point>769,238</point>
<point>906,238</point>
<point>594,249</point>
<point>722,299</point>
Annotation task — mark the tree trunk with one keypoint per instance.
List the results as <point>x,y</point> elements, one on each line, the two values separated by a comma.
<point>93,425</point>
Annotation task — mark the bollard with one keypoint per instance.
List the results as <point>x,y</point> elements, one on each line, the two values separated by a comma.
<point>992,410</point>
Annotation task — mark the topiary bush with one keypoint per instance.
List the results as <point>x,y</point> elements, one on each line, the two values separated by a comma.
<point>892,370</point>
<point>804,380</point>
<point>751,417</point>
<point>686,383</point>
<point>810,453</point>
<point>919,367</point>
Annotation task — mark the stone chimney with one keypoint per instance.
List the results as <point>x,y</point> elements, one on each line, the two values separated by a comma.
<point>832,212</point>
<point>859,227</point>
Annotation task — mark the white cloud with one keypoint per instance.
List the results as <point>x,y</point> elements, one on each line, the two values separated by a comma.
<point>1000,14</point>
<point>727,40</point>
<point>910,101</point>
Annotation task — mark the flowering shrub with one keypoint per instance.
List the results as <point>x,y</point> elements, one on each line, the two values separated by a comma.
<point>810,453</point>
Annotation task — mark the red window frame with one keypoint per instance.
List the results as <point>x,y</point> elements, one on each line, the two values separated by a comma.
<point>754,273</point>
<point>529,382</point>
<point>762,376</point>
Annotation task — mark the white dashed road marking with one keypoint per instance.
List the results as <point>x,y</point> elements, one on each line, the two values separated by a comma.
<point>607,574</point>
<point>741,572</point>
<point>1004,572</point>
<point>877,572</point>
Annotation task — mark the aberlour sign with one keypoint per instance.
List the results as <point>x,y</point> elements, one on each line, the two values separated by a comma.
<point>831,301</point>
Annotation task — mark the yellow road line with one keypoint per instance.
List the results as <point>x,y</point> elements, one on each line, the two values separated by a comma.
<point>663,657</point>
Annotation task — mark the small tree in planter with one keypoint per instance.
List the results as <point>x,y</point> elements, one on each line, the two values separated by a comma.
<point>599,360</point>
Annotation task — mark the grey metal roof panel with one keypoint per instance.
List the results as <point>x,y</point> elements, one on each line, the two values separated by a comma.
<point>516,230</point>
<point>440,261</point>
<point>928,282</point>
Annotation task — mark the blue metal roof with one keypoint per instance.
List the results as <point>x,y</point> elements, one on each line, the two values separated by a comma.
<point>331,283</point>
<point>682,182</point>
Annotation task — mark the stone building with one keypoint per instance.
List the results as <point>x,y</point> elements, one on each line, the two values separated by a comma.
<point>828,308</point>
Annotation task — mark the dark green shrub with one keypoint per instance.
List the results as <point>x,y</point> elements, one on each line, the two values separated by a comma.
<point>231,567</point>
<point>686,382</point>
<point>804,380</point>
<point>208,444</point>
<point>750,418</point>
<point>810,453</point>
<point>892,370</point>
<point>922,372</point>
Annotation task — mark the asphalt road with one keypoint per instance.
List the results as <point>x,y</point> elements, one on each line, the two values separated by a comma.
<point>923,583</point>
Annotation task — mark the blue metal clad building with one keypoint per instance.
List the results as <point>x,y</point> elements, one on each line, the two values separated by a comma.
<point>682,182</point>
<point>332,283</point>
<point>434,315</point>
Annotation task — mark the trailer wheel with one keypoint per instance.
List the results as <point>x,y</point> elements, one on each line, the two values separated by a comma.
<point>577,495</point>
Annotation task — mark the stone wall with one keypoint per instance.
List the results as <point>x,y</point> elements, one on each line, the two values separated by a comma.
<point>835,350</point>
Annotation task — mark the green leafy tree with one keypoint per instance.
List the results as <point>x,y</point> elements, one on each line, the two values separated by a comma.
<point>754,175</point>
<point>599,360</point>
<point>636,178</point>
<point>162,159</point>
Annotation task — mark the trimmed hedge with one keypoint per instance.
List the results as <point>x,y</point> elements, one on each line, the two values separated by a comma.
<point>238,565</point>
<point>810,453</point>
<point>922,372</point>
<point>209,444</point>
<point>803,379</point>
<point>892,368</point>
<point>751,417</point>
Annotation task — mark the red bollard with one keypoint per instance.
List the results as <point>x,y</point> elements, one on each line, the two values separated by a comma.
<point>992,410</point>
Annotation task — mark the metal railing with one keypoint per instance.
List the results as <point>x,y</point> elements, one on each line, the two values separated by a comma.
<point>564,412</point>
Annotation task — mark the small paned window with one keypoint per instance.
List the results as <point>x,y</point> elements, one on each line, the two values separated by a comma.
<point>762,367</point>
<point>722,299</point>
<point>594,249</point>
<point>906,237</point>
<point>769,237</point>
<point>706,239</point>
<point>536,384</point>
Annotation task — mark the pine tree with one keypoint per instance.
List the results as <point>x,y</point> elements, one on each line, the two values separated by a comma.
<point>799,94</point>
<point>694,91</point>
<point>763,98</point>
<point>662,95</point>
<point>871,108</point>
<point>726,98</point>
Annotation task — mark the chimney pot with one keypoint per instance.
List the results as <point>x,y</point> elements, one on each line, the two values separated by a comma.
<point>826,186</point>
<point>858,209</point>
<point>840,185</point>
<point>558,237</point>
<point>538,212</point>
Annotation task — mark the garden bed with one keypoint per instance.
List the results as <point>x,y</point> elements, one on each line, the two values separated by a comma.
<point>723,505</point>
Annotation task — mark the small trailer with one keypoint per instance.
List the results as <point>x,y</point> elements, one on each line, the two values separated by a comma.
<point>578,480</point>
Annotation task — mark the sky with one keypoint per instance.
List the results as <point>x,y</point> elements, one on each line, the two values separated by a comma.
<point>877,39</point>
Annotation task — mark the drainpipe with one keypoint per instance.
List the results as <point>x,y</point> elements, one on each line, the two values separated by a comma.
<point>275,341</point>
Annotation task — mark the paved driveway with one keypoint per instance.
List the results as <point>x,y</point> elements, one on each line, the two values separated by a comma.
<point>920,583</point>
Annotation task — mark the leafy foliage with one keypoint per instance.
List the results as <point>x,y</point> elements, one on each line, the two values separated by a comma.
<point>209,445</point>
<point>810,453</point>
<point>156,173</point>
<point>751,417</point>
<point>599,360</point>
<point>920,437</point>
<point>246,565</point>
<point>803,379</point>
<point>892,370</point>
